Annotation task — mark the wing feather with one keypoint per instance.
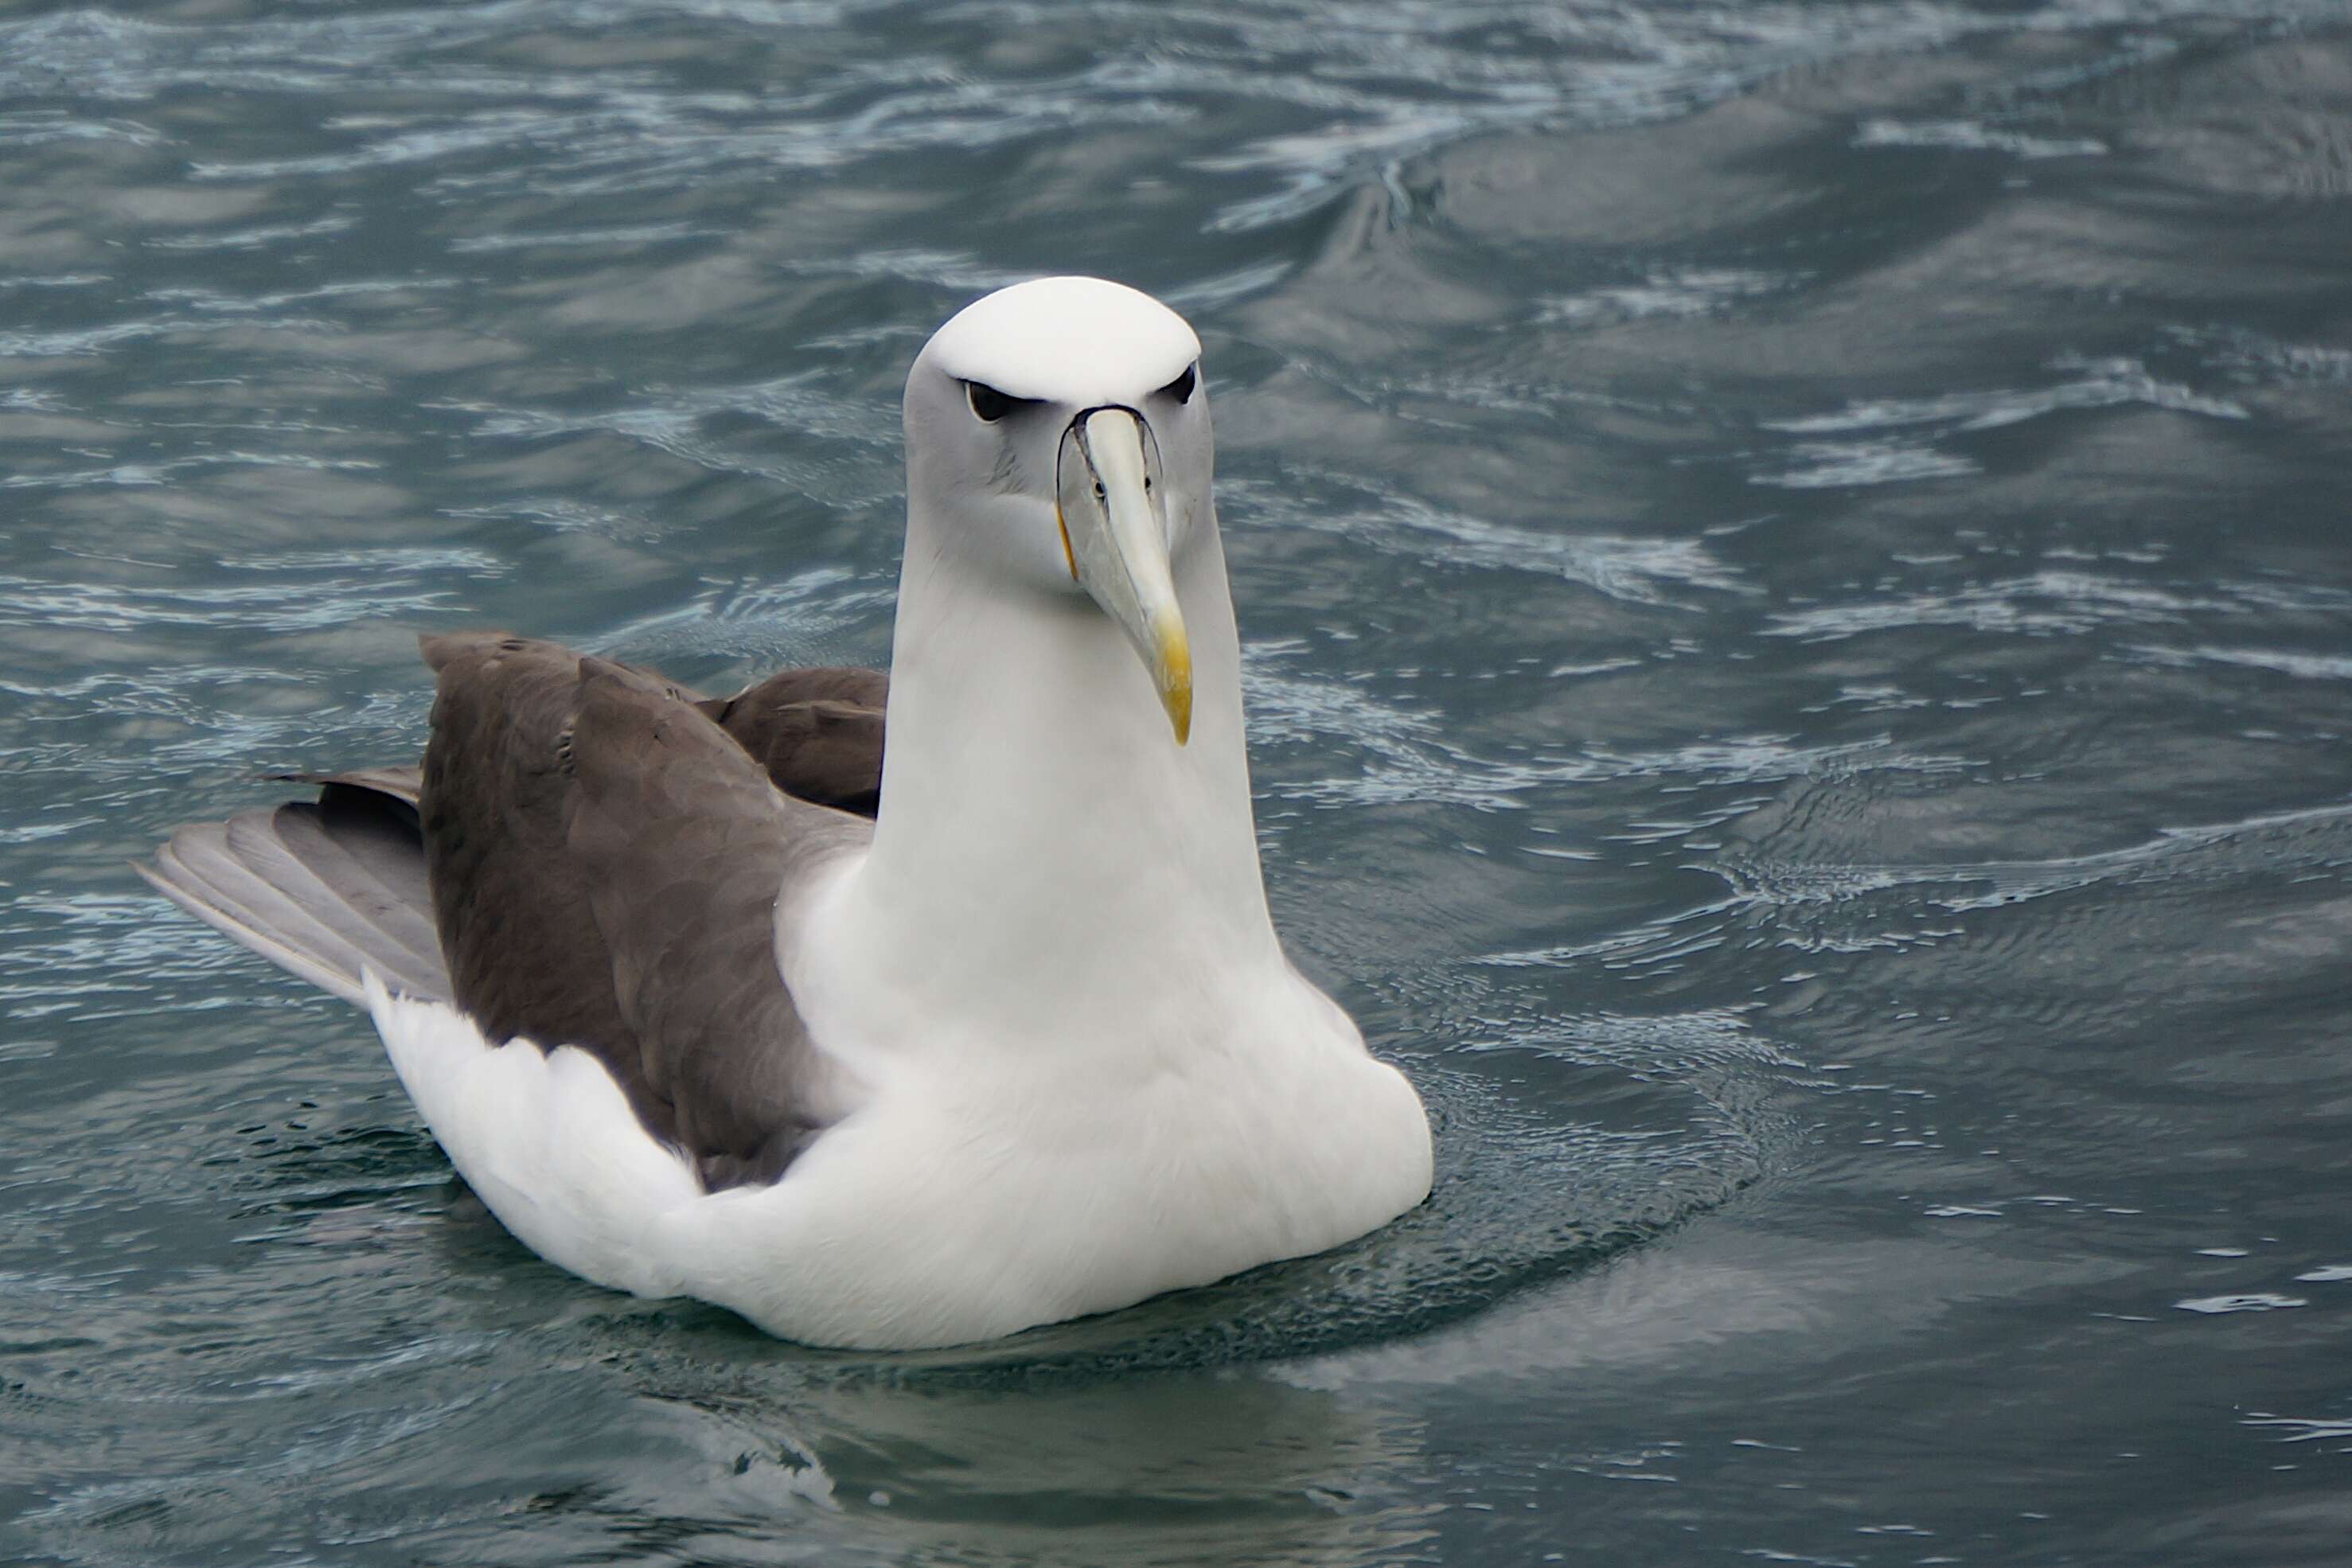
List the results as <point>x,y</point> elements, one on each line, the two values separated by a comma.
<point>606,862</point>
<point>589,856</point>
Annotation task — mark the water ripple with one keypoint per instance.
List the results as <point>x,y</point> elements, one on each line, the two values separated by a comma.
<point>1636,569</point>
<point>2102,383</point>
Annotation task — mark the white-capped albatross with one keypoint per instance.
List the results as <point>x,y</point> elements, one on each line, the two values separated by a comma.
<point>718,998</point>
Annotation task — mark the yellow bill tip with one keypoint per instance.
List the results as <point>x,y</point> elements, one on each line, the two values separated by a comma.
<point>1174,674</point>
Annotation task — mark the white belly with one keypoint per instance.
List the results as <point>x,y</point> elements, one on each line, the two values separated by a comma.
<point>949,1209</point>
<point>956,1203</point>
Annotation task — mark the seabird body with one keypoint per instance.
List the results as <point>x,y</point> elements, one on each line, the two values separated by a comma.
<point>1024,1048</point>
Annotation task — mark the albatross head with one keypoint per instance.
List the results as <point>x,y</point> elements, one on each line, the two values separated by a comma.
<point>1064,425</point>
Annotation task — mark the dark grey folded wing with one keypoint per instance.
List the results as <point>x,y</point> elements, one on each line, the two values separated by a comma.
<point>817,731</point>
<point>590,857</point>
<point>606,864</point>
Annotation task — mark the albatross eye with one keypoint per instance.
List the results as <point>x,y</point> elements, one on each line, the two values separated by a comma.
<point>989,406</point>
<point>1181,389</point>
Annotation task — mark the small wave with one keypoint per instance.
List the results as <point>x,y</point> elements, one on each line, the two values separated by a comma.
<point>1634,569</point>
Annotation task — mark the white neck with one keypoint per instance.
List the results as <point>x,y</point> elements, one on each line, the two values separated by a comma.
<point>1037,812</point>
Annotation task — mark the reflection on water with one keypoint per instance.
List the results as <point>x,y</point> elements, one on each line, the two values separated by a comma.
<point>1792,566</point>
<point>1141,1470</point>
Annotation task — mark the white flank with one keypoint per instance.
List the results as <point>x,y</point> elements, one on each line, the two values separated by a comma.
<point>545,1139</point>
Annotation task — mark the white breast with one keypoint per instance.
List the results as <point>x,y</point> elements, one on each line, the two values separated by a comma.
<point>966,1201</point>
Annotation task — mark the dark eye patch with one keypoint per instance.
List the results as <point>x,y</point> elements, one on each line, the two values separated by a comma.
<point>1181,389</point>
<point>989,406</point>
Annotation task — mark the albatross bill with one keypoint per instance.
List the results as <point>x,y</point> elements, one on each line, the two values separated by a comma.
<point>1119,552</point>
<point>876,1045</point>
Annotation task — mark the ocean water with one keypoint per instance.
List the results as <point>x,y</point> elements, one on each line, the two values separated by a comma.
<point>1794,569</point>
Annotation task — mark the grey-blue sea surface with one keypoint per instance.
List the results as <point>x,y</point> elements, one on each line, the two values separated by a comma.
<point>1794,565</point>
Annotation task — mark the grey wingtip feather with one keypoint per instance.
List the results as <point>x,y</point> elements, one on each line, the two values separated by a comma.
<point>186,897</point>
<point>402,782</point>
